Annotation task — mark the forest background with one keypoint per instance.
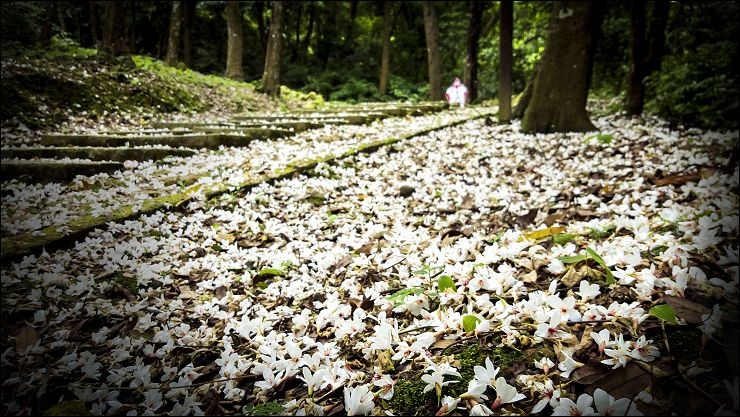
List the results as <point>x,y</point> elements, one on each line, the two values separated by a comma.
<point>337,49</point>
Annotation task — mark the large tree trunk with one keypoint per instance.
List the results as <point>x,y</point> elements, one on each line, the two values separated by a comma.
<point>271,76</point>
<point>235,39</point>
<point>560,90</point>
<point>505,51</point>
<point>470,73</point>
<point>635,89</point>
<point>173,41</point>
<point>431,30</point>
<point>385,61</point>
<point>526,96</point>
<point>115,40</point>
<point>187,32</point>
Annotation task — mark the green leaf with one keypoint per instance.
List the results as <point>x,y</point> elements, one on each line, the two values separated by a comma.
<point>469,322</point>
<point>270,272</point>
<point>573,259</point>
<point>399,296</point>
<point>446,282</point>
<point>663,312</point>
<point>609,277</point>
<point>563,238</point>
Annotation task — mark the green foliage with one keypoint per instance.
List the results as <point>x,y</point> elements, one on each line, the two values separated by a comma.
<point>663,312</point>
<point>590,254</point>
<point>409,398</point>
<point>68,408</point>
<point>469,322</point>
<point>444,283</point>
<point>355,90</point>
<point>398,297</point>
<point>270,408</point>
<point>19,26</point>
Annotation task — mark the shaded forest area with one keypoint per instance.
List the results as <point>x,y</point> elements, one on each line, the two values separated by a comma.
<point>677,59</point>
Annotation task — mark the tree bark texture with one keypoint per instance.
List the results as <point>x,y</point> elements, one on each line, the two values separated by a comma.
<point>271,75</point>
<point>636,72</point>
<point>560,89</point>
<point>115,40</point>
<point>187,32</point>
<point>173,41</point>
<point>385,61</point>
<point>431,31</point>
<point>470,73</point>
<point>235,35</point>
<point>505,52</point>
<point>656,36</point>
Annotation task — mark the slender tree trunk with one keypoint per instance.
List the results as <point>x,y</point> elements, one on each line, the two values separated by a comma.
<point>349,37</point>
<point>656,36</point>
<point>297,45</point>
<point>115,40</point>
<point>560,90</point>
<point>635,89</point>
<point>505,51</point>
<point>51,12</point>
<point>259,12</point>
<point>173,41</point>
<point>94,23</point>
<point>61,16</point>
<point>271,75</point>
<point>187,32</point>
<point>431,31</point>
<point>470,74</point>
<point>385,61</point>
<point>309,29</point>
<point>235,39</point>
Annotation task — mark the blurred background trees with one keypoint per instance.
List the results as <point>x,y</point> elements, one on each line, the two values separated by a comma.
<point>336,48</point>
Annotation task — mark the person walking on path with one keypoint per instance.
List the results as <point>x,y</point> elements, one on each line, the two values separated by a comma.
<point>457,93</point>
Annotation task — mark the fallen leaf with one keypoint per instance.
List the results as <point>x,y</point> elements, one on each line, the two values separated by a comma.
<point>542,233</point>
<point>588,374</point>
<point>25,338</point>
<point>624,382</point>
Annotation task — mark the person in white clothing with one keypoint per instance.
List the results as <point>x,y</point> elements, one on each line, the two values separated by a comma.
<point>457,93</point>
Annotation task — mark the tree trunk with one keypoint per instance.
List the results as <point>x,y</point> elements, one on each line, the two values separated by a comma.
<point>187,32</point>
<point>234,42</point>
<point>271,76</point>
<point>297,44</point>
<point>560,90</point>
<point>635,88</point>
<point>173,41</point>
<point>385,62</point>
<point>309,29</point>
<point>51,12</point>
<point>505,51</point>
<point>115,30</point>
<point>431,31</point>
<point>94,24</point>
<point>259,7</point>
<point>526,96</point>
<point>656,36</point>
<point>470,74</point>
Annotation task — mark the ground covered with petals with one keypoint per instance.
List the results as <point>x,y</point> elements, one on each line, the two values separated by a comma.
<point>473,270</point>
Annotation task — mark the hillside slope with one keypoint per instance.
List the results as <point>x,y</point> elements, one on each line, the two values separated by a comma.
<point>67,86</point>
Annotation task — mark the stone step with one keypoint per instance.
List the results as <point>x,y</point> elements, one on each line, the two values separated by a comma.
<point>190,140</point>
<point>119,154</point>
<point>50,170</point>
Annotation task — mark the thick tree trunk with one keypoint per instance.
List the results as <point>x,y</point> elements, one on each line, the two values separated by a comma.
<point>385,61</point>
<point>115,40</point>
<point>635,89</point>
<point>505,51</point>
<point>560,90</point>
<point>173,41</point>
<point>187,32</point>
<point>431,31</point>
<point>235,40</point>
<point>470,73</point>
<point>271,75</point>
<point>526,96</point>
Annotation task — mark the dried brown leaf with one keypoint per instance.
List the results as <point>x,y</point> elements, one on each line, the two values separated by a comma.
<point>25,338</point>
<point>624,382</point>
<point>687,309</point>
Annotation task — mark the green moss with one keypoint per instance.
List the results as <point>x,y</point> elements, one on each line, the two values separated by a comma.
<point>68,408</point>
<point>473,355</point>
<point>271,408</point>
<point>126,281</point>
<point>409,398</point>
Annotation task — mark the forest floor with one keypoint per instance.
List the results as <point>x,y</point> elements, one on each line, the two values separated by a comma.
<point>470,270</point>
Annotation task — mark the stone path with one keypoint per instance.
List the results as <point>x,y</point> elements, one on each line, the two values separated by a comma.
<point>260,148</point>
